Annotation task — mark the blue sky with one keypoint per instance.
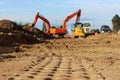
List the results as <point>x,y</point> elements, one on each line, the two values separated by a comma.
<point>97,12</point>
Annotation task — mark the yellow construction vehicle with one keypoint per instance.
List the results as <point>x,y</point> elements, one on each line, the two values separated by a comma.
<point>78,30</point>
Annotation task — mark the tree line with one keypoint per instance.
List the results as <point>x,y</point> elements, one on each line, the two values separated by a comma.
<point>116,23</point>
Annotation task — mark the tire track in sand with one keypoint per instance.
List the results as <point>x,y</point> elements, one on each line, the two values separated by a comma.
<point>33,69</point>
<point>59,68</point>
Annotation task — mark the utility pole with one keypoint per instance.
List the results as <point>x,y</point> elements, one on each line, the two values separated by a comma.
<point>93,22</point>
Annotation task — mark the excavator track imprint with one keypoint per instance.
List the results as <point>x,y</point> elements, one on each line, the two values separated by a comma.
<point>58,68</point>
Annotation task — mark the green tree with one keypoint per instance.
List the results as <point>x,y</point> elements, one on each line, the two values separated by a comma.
<point>116,23</point>
<point>43,27</point>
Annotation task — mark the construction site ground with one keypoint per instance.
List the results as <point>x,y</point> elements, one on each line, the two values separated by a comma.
<point>92,58</point>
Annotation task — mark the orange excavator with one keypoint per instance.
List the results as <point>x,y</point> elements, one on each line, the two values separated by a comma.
<point>47,23</point>
<point>57,31</point>
<point>63,30</point>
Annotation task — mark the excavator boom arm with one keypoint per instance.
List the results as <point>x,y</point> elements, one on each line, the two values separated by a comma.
<point>43,19</point>
<point>78,14</point>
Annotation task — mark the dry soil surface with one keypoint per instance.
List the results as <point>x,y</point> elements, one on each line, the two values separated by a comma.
<point>93,58</point>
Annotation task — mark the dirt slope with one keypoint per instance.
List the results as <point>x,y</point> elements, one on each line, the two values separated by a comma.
<point>13,35</point>
<point>93,58</point>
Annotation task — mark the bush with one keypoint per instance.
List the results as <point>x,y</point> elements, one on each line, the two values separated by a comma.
<point>116,23</point>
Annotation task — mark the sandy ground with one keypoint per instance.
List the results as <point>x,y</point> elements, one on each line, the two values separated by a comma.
<point>93,58</point>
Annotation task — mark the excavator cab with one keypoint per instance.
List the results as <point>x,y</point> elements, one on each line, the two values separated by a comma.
<point>78,30</point>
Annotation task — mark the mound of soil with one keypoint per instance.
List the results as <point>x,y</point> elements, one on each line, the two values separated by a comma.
<point>38,33</point>
<point>7,26</point>
<point>12,34</point>
<point>11,43</point>
<point>23,39</point>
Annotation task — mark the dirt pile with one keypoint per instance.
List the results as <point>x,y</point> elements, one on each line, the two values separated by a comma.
<point>38,33</point>
<point>7,25</point>
<point>11,34</point>
<point>18,34</point>
<point>23,39</point>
